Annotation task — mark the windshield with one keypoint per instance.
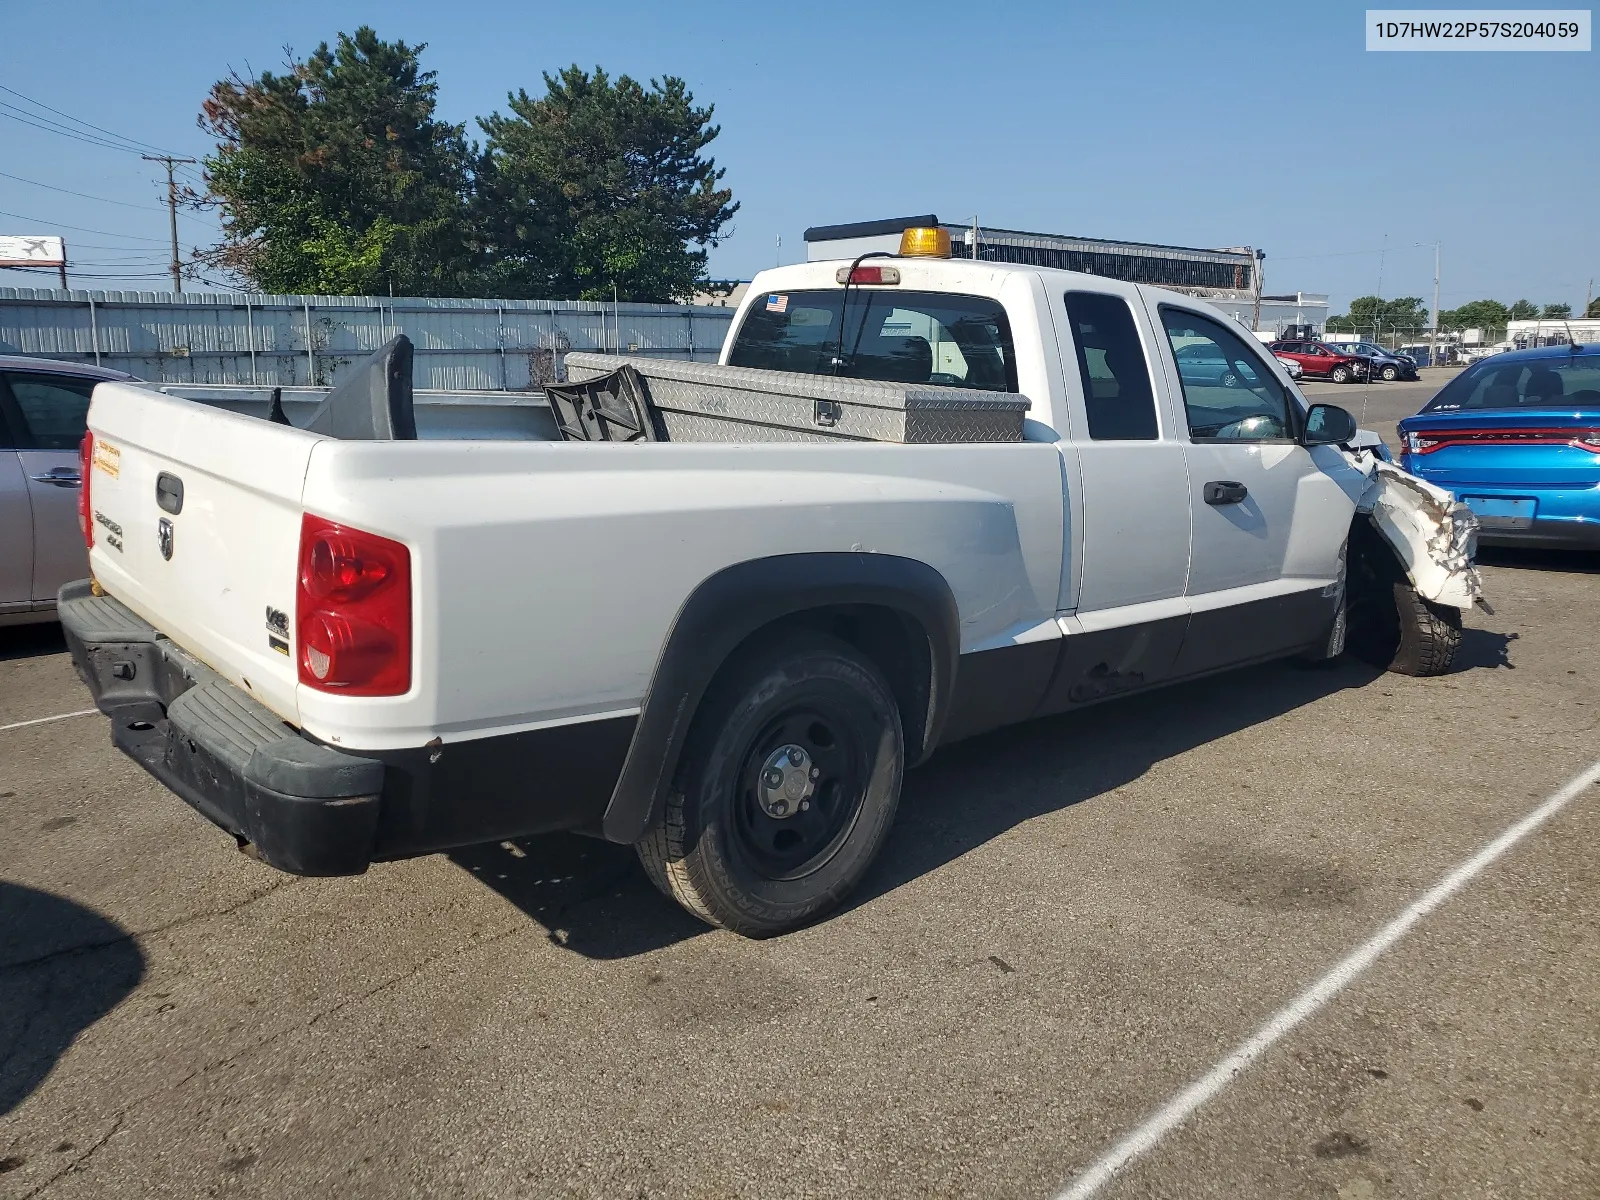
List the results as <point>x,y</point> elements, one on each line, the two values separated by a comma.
<point>1569,382</point>
<point>905,337</point>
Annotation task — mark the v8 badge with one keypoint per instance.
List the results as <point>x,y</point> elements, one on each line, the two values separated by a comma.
<point>164,536</point>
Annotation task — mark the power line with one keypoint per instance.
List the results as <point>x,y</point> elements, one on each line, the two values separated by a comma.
<point>22,116</point>
<point>132,237</point>
<point>102,199</point>
<point>50,187</point>
<point>78,120</point>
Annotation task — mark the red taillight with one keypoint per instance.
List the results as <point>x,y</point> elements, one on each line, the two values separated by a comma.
<point>85,513</point>
<point>354,611</point>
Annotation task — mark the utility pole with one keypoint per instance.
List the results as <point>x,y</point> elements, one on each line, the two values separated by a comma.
<point>64,266</point>
<point>1588,298</point>
<point>778,253</point>
<point>172,214</point>
<point>974,237</point>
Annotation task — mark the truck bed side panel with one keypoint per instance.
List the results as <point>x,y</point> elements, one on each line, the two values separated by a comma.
<point>549,576</point>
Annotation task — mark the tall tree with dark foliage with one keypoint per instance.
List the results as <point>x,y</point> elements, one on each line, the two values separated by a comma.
<point>336,176</point>
<point>601,184</point>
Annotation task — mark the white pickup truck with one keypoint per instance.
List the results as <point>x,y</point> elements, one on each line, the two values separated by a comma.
<point>344,645</point>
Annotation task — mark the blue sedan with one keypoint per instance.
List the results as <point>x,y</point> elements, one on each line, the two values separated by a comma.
<point>1517,439</point>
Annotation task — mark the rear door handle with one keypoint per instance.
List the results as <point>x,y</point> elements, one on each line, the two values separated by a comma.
<point>60,476</point>
<point>1225,491</point>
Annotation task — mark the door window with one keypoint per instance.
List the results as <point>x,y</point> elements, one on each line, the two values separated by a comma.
<point>1116,382</point>
<point>54,409</point>
<point>1228,392</point>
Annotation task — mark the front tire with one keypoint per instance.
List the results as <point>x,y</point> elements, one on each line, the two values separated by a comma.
<point>1340,374</point>
<point>1392,627</point>
<point>786,791</point>
<point>1390,374</point>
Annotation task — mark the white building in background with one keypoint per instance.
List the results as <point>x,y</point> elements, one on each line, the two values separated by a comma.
<point>1547,332</point>
<point>1278,312</point>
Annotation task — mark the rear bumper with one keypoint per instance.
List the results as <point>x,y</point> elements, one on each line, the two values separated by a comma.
<point>306,807</point>
<point>1564,516</point>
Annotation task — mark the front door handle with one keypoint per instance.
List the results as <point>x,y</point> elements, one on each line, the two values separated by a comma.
<point>60,476</point>
<point>1225,491</point>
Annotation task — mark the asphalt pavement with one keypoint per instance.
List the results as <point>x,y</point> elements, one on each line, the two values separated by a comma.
<point>1072,921</point>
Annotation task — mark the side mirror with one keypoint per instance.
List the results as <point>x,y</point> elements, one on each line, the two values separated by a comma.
<point>1328,425</point>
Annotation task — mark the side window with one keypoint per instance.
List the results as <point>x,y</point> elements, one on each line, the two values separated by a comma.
<point>1229,394</point>
<point>54,408</point>
<point>1116,380</point>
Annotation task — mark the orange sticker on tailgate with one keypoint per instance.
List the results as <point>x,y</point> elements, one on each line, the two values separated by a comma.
<point>107,458</point>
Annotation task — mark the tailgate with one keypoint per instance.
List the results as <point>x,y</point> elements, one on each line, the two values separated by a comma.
<point>217,574</point>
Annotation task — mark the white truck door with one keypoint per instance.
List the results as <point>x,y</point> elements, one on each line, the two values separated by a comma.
<point>1126,597</point>
<point>1269,522</point>
<point>53,410</point>
<point>1133,477</point>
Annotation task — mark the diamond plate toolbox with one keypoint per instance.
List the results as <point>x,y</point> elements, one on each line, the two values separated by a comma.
<point>700,402</point>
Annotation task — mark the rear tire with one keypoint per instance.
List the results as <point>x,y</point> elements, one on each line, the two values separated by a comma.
<point>809,711</point>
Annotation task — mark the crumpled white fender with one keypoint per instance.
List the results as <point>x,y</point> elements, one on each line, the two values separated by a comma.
<point>1434,535</point>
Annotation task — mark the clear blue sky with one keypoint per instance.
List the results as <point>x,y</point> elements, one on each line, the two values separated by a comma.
<point>1197,124</point>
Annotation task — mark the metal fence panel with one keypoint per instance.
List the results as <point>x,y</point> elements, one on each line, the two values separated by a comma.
<point>296,341</point>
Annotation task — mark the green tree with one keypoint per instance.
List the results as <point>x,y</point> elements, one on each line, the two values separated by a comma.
<point>1373,315</point>
<point>1593,310</point>
<point>1557,311</point>
<point>1524,310</point>
<point>601,184</point>
<point>1476,314</point>
<point>336,177</point>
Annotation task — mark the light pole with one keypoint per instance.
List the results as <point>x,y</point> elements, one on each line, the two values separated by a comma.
<point>1433,336</point>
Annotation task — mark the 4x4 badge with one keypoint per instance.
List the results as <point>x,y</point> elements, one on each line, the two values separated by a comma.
<point>164,535</point>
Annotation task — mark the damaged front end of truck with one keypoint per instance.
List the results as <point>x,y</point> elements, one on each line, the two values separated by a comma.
<point>1410,571</point>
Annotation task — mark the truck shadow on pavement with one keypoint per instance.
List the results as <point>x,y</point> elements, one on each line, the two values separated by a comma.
<point>975,791</point>
<point>593,898</point>
<point>62,968</point>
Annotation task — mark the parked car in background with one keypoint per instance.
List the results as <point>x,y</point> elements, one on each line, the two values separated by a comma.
<point>1383,364</point>
<point>43,406</point>
<point>1516,437</point>
<point>1318,360</point>
<point>1291,365</point>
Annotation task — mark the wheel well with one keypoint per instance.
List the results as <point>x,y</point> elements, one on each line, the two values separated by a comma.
<point>893,641</point>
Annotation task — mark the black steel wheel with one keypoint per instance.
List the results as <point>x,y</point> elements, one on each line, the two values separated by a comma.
<point>786,790</point>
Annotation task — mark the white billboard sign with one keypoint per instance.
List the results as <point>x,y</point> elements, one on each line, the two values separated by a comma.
<point>32,251</point>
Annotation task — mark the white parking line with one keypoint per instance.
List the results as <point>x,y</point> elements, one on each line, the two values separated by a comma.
<point>82,712</point>
<point>1176,1111</point>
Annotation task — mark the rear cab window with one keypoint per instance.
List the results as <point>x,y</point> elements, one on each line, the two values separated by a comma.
<point>944,339</point>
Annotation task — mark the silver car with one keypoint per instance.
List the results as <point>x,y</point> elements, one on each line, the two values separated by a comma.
<point>43,407</point>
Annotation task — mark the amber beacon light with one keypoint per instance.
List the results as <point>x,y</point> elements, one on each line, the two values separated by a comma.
<point>925,243</point>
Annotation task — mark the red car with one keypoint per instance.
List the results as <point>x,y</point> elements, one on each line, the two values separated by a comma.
<point>1322,361</point>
